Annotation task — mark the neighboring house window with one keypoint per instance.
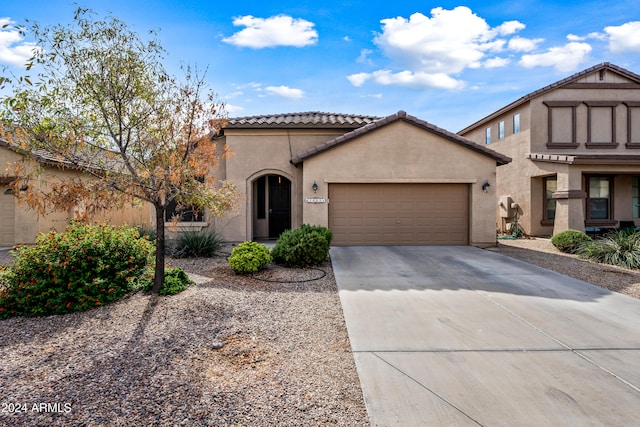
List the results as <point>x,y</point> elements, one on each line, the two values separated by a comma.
<point>185,213</point>
<point>501,130</point>
<point>550,187</point>
<point>636,197</point>
<point>601,119</point>
<point>599,198</point>
<point>561,124</point>
<point>487,136</point>
<point>633,124</point>
<point>516,123</point>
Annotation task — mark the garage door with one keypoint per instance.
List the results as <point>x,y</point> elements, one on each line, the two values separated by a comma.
<point>399,214</point>
<point>7,217</point>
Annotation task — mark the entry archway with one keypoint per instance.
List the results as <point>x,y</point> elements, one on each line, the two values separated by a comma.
<point>271,206</point>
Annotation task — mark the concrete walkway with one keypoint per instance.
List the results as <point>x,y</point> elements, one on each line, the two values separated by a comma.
<point>457,336</point>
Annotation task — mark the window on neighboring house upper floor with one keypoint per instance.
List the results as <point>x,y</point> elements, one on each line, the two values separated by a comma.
<point>487,136</point>
<point>599,191</point>
<point>601,119</point>
<point>561,124</point>
<point>550,186</point>
<point>501,130</point>
<point>633,124</point>
<point>516,123</point>
<point>635,200</point>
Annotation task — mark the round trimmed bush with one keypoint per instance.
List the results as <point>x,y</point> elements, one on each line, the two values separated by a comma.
<point>84,267</point>
<point>569,241</point>
<point>249,257</point>
<point>303,247</point>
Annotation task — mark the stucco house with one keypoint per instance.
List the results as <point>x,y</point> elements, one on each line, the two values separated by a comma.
<point>575,146</point>
<point>396,180</point>
<point>21,225</point>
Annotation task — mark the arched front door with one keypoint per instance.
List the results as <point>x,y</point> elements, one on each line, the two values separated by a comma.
<point>272,206</point>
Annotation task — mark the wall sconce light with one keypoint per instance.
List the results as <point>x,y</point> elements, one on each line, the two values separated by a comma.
<point>314,187</point>
<point>485,187</point>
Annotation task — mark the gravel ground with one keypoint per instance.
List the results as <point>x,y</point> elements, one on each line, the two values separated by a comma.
<point>542,253</point>
<point>230,351</point>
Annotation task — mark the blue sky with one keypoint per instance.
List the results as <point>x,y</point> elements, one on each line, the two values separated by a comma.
<point>450,63</point>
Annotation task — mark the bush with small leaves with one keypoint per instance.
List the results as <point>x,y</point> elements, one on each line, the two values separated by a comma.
<point>249,257</point>
<point>84,267</point>
<point>570,240</point>
<point>302,247</point>
<point>175,281</point>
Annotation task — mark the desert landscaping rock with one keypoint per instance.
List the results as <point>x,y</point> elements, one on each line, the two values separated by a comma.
<point>229,351</point>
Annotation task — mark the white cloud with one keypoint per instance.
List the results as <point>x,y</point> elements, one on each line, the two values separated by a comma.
<point>428,50</point>
<point>13,50</point>
<point>594,35</point>
<point>280,30</point>
<point>447,42</point>
<point>285,92</point>
<point>509,27</point>
<point>233,109</point>
<point>408,79</point>
<point>564,58</point>
<point>496,62</point>
<point>358,79</point>
<point>364,57</point>
<point>624,38</point>
<point>347,38</point>
<point>521,44</point>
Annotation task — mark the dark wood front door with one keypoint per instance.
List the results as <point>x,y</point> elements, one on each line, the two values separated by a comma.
<point>279,205</point>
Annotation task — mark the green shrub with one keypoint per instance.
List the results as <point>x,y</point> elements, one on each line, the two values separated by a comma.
<point>148,232</point>
<point>203,243</point>
<point>303,247</point>
<point>175,281</point>
<point>570,240</point>
<point>84,267</point>
<point>621,248</point>
<point>249,257</point>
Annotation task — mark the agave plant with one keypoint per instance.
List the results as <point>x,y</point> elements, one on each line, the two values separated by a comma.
<point>621,248</point>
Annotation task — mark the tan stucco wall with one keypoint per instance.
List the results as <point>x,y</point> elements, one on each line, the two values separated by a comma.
<point>262,152</point>
<point>29,223</point>
<point>402,152</point>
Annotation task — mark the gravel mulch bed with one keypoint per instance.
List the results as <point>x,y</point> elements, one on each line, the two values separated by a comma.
<point>542,253</point>
<point>231,350</point>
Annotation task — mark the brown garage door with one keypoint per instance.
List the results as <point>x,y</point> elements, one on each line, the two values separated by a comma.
<point>399,214</point>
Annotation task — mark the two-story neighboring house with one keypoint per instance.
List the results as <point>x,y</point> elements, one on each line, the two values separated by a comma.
<point>575,149</point>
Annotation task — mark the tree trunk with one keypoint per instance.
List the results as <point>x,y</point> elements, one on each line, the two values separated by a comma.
<point>158,278</point>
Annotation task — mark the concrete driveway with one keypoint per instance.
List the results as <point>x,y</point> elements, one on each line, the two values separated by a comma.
<point>457,336</point>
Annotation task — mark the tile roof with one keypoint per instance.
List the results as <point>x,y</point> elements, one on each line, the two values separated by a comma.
<point>400,115</point>
<point>603,66</point>
<point>309,119</point>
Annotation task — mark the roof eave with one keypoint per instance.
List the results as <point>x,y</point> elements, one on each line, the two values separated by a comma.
<point>526,98</point>
<point>400,115</point>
